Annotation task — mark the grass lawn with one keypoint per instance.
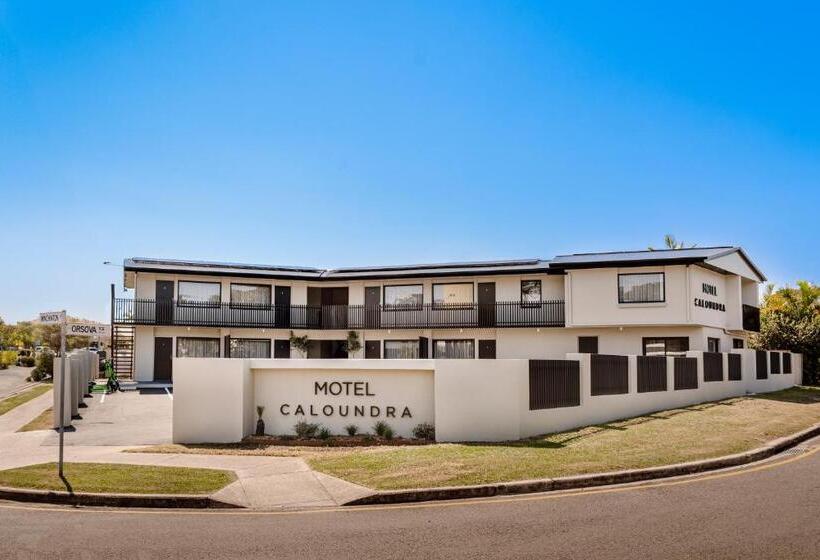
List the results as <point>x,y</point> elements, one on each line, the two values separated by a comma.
<point>673,436</point>
<point>122,479</point>
<point>22,398</point>
<point>43,422</point>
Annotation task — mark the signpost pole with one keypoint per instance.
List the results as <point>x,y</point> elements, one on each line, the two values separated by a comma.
<point>62,398</point>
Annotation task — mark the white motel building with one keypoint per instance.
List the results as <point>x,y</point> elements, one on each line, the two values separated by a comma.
<point>485,351</point>
<point>664,302</point>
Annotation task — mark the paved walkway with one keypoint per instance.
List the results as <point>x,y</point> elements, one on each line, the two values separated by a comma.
<point>262,482</point>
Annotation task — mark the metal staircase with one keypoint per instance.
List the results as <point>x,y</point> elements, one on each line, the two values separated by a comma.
<point>122,350</point>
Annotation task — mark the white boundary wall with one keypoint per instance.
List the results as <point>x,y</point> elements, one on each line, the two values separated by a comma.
<point>467,400</point>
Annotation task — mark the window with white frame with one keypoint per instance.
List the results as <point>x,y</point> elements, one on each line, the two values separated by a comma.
<point>454,349</point>
<point>641,288</point>
<point>250,295</point>
<point>192,293</point>
<point>401,349</point>
<point>451,295</point>
<point>404,296</point>
<point>250,348</point>
<point>193,347</point>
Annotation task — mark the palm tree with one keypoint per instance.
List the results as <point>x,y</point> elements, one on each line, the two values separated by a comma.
<point>672,243</point>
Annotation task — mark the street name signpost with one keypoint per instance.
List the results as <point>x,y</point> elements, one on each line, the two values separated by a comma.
<point>87,329</point>
<point>59,317</point>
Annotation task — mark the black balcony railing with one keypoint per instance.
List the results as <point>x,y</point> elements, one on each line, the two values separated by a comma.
<point>751,318</point>
<point>428,316</point>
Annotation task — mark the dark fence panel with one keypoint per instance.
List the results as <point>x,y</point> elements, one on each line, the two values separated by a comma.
<point>554,384</point>
<point>735,371</point>
<point>787,362</point>
<point>686,373</point>
<point>774,358</point>
<point>761,365</point>
<point>610,374</point>
<point>651,374</point>
<point>712,366</point>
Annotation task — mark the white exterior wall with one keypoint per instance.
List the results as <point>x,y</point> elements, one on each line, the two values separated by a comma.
<point>486,400</point>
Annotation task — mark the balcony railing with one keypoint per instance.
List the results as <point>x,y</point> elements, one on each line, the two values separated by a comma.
<point>428,316</point>
<point>751,318</point>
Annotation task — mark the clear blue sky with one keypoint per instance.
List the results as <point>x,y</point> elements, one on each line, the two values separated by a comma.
<point>347,133</point>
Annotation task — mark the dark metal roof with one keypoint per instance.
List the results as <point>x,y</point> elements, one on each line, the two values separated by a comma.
<point>558,265</point>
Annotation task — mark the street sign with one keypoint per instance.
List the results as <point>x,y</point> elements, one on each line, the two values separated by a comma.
<point>87,329</point>
<point>51,317</point>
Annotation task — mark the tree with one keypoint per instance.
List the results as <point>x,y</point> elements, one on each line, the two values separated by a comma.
<point>23,334</point>
<point>671,243</point>
<point>353,344</point>
<point>300,343</point>
<point>790,320</point>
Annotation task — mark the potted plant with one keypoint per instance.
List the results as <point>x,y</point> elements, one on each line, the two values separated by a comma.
<point>301,343</point>
<point>260,424</point>
<point>353,344</point>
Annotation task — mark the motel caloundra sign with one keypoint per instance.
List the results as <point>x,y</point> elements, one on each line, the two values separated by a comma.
<point>345,399</point>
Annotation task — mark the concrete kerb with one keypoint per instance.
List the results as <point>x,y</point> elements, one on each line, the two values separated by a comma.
<point>427,494</point>
<point>585,480</point>
<point>190,501</point>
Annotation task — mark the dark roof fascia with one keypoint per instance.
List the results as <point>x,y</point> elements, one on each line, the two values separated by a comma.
<point>264,275</point>
<point>627,263</point>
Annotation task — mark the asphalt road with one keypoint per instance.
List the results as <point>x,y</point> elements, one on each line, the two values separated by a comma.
<point>13,378</point>
<point>771,511</point>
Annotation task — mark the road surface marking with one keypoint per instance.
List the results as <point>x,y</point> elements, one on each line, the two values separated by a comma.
<point>167,392</point>
<point>475,501</point>
<point>102,399</point>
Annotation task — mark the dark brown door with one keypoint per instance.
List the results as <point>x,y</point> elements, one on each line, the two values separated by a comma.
<point>424,347</point>
<point>372,349</point>
<point>330,349</point>
<point>486,349</point>
<point>162,358</point>
<point>372,313</point>
<point>588,344</point>
<point>281,349</point>
<point>165,302</point>
<point>486,304</point>
<point>282,306</point>
<point>334,308</point>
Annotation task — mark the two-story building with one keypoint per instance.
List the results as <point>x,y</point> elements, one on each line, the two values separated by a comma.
<point>633,302</point>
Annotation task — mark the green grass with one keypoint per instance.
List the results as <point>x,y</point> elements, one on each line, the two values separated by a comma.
<point>44,421</point>
<point>22,398</point>
<point>672,436</point>
<point>121,479</point>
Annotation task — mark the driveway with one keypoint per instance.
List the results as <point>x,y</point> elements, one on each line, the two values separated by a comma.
<point>12,379</point>
<point>122,419</point>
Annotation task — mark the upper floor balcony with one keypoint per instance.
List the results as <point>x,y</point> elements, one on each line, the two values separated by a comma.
<point>426,316</point>
<point>751,318</point>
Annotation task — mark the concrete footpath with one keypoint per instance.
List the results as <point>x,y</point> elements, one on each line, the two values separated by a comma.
<point>262,482</point>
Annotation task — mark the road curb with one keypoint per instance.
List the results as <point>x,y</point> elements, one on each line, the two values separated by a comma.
<point>191,501</point>
<point>585,480</point>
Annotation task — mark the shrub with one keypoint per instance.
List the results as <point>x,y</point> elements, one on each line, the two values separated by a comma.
<point>27,361</point>
<point>425,430</point>
<point>7,358</point>
<point>380,427</point>
<point>305,429</point>
<point>45,364</point>
<point>352,429</point>
<point>324,433</point>
<point>37,375</point>
<point>388,432</point>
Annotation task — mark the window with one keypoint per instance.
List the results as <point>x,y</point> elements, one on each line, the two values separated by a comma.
<point>641,288</point>
<point>193,293</point>
<point>712,344</point>
<point>250,348</point>
<point>587,344</point>
<point>250,295</point>
<point>530,293</point>
<point>454,349</point>
<point>737,343</point>
<point>666,346</point>
<point>401,349</point>
<point>188,347</point>
<point>452,295</point>
<point>405,296</point>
